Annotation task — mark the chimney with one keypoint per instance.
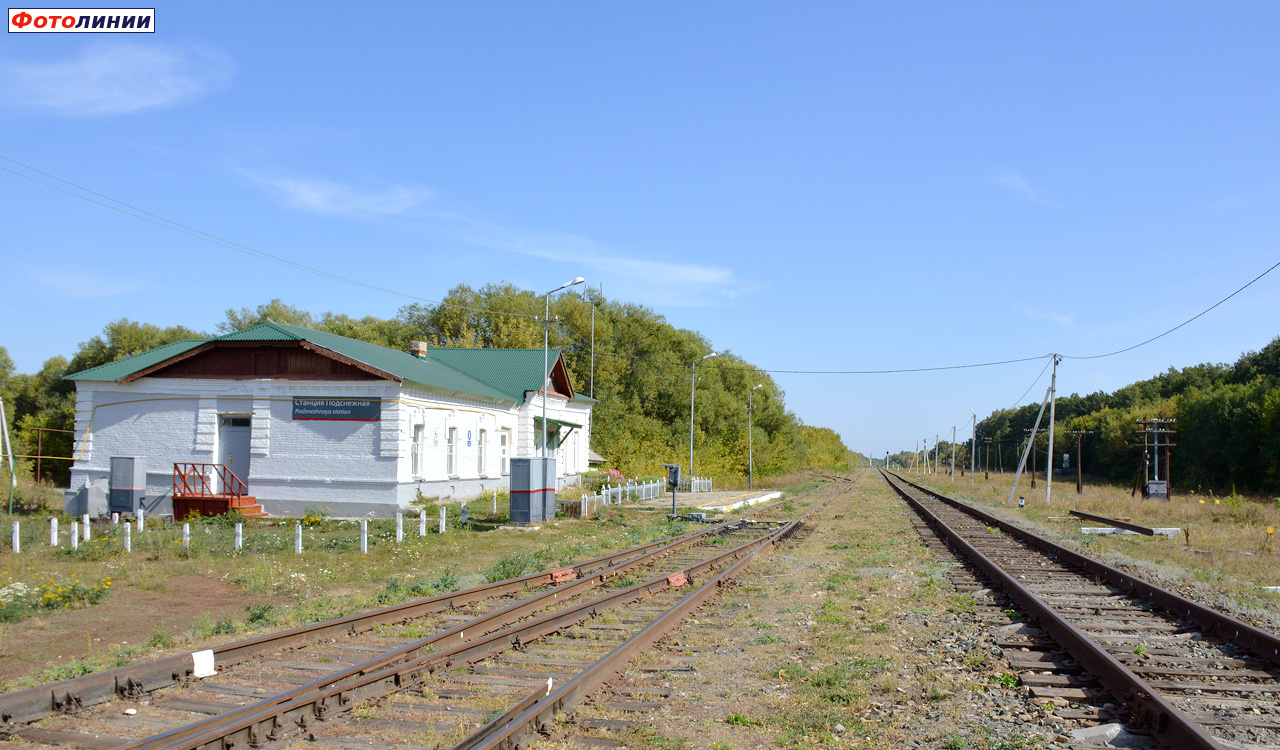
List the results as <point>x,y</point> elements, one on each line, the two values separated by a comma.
<point>418,349</point>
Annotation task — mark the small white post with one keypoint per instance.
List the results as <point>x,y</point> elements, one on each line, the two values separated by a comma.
<point>399,527</point>
<point>17,539</point>
<point>364,536</point>
<point>495,502</point>
<point>186,535</point>
<point>239,537</point>
<point>53,532</point>
<point>85,520</point>
<point>128,536</point>
<point>441,519</point>
<point>75,535</point>
<point>142,520</point>
<point>422,522</point>
<point>115,519</point>
<point>297,539</point>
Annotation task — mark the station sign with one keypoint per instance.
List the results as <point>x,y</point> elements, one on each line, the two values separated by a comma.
<point>337,409</point>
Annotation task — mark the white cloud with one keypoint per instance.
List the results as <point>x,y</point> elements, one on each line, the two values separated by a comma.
<point>85,286</point>
<point>1063,320</point>
<point>649,280</point>
<point>324,196</point>
<point>1014,182</point>
<point>116,79</point>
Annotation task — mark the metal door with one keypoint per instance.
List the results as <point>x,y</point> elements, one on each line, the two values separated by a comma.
<point>233,445</point>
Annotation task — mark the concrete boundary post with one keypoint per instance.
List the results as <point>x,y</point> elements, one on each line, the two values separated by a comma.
<point>297,539</point>
<point>85,521</point>
<point>17,538</point>
<point>364,536</point>
<point>53,532</point>
<point>422,522</point>
<point>75,535</point>
<point>128,536</point>
<point>239,537</point>
<point>441,519</point>
<point>186,535</point>
<point>142,520</point>
<point>399,527</point>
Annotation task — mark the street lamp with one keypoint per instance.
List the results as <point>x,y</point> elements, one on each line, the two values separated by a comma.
<point>751,467</point>
<point>693,382</point>
<point>546,325</point>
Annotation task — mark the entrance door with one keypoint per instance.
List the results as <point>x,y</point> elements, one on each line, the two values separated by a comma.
<point>233,446</point>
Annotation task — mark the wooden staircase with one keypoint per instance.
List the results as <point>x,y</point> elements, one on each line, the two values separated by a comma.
<point>194,492</point>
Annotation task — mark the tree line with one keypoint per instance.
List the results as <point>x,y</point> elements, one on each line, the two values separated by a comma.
<point>640,377</point>
<point>1227,431</point>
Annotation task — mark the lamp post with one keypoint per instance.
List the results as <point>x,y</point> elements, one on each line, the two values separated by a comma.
<point>546,364</point>
<point>693,382</point>
<point>751,466</point>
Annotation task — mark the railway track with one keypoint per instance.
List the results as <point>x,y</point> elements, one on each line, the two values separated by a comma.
<point>1188,675</point>
<point>475,674</point>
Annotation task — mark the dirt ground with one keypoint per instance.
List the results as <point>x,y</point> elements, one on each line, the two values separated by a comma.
<point>131,616</point>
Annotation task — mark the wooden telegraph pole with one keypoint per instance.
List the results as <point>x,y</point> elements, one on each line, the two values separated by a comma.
<point>1079,457</point>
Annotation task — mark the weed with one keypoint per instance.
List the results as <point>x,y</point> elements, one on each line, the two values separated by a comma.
<point>963,603</point>
<point>1140,650</point>
<point>954,742</point>
<point>1005,680</point>
<point>225,627</point>
<point>975,659</point>
<point>1016,742</point>
<point>742,721</point>
<point>261,616</point>
<point>765,639</point>
<point>160,639</point>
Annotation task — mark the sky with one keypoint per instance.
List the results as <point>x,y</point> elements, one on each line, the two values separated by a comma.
<point>812,186</point>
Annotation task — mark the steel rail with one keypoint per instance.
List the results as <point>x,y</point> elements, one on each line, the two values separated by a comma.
<point>1156,714</point>
<point>477,627</point>
<point>278,720</point>
<point>134,681</point>
<point>542,713</point>
<point>1113,522</point>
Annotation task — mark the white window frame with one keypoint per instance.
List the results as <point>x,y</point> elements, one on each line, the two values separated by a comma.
<point>451,452</point>
<point>415,450</point>
<point>480,441</point>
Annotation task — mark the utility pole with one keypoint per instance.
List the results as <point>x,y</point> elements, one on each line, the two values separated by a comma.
<point>937,449</point>
<point>953,453</point>
<point>1029,449</point>
<point>593,351</point>
<point>1053,402</point>
<point>1000,456</point>
<point>1031,437</point>
<point>973,447</point>
<point>1079,458</point>
<point>986,474</point>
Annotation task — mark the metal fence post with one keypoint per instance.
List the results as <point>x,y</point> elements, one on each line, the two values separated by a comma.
<point>399,527</point>
<point>239,537</point>
<point>53,532</point>
<point>128,536</point>
<point>297,539</point>
<point>364,536</point>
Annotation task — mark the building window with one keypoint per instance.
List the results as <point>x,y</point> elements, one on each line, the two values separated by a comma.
<point>504,442</point>
<point>451,452</point>
<point>480,453</point>
<point>415,451</point>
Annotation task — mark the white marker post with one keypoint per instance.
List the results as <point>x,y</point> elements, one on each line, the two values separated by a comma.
<point>186,535</point>
<point>297,539</point>
<point>399,527</point>
<point>422,522</point>
<point>441,519</point>
<point>17,539</point>
<point>128,536</point>
<point>239,537</point>
<point>86,527</point>
<point>75,535</point>
<point>115,519</point>
<point>142,520</point>
<point>53,532</point>
<point>495,502</point>
<point>364,536</point>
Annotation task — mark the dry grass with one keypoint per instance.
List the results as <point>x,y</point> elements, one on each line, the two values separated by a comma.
<point>1229,544</point>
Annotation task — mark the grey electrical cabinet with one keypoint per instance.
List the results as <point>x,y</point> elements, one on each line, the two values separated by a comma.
<point>548,488</point>
<point>526,490</point>
<point>128,484</point>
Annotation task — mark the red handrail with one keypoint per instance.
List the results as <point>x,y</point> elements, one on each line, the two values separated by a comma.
<point>192,480</point>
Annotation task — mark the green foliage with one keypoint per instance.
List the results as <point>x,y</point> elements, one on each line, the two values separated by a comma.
<point>514,566</point>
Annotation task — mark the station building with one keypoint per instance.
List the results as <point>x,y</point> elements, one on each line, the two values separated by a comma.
<point>308,419</point>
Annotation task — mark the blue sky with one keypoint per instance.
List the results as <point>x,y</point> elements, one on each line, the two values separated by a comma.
<point>813,186</point>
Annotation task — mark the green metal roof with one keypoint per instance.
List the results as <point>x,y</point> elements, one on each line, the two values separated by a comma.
<point>503,374</point>
<point>133,363</point>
